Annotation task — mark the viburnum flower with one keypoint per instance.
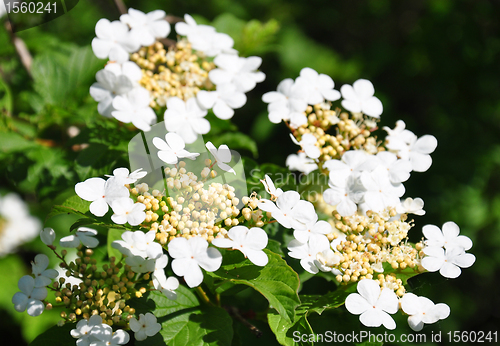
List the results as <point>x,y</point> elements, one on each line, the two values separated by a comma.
<point>223,100</point>
<point>83,330</point>
<point>270,188</point>
<point>104,336</point>
<point>319,86</point>
<point>239,71</point>
<point>308,145</point>
<point>411,206</point>
<point>189,255</point>
<point>139,264</point>
<point>186,119</point>
<point>30,298</point>
<point>327,259</point>
<point>113,40</point>
<point>172,148</point>
<point>380,192</point>
<point>101,193</point>
<point>290,211</point>
<point>84,235</point>
<point>165,285</point>
<point>43,276</point>
<point>47,235</point>
<point>138,243</point>
<point>146,27</point>
<point>448,261</point>
<point>373,304</point>
<point>133,107</point>
<point>422,311</point>
<point>448,238</point>
<point>352,161</point>
<point>125,210</point>
<point>222,156</point>
<point>359,98</point>
<point>399,170</point>
<point>312,229</point>
<point>307,252</point>
<point>344,195</point>
<point>147,325</point>
<point>115,79</point>
<point>123,175</point>
<point>204,37</point>
<point>300,162</point>
<point>287,103</point>
<point>250,242</point>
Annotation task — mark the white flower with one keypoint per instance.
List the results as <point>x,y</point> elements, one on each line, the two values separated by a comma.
<point>139,264</point>
<point>289,210</point>
<point>146,27</point>
<point>300,162</point>
<point>307,252</point>
<point>189,255</point>
<point>344,195</point>
<point>113,40</point>
<point>399,170</point>
<point>359,98</point>
<point>222,156</point>
<point>327,259</point>
<point>223,101</point>
<point>270,188</point>
<point>30,298</point>
<point>186,119</point>
<point>165,285</point>
<point>125,210</point>
<point>250,242</point>
<point>47,235</point>
<point>17,226</point>
<point>411,206</point>
<point>115,79</point>
<point>308,145</point>
<point>422,310</point>
<point>138,243</point>
<point>373,304</point>
<point>204,37</point>
<point>172,148</point>
<point>103,335</point>
<point>448,238</point>
<point>101,193</point>
<point>352,161</point>
<point>123,175</point>
<point>133,107</point>
<point>287,103</point>
<point>239,71</point>
<point>380,192</point>
<point>84,235</point>
<point>319,86</point>
<point>448,261</point>
<point>313,229</point>
<point>43,276</point>
<point>83,330</point>
<point>145,326</point>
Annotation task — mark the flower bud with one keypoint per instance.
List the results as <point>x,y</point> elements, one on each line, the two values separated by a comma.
<point>48,236</point>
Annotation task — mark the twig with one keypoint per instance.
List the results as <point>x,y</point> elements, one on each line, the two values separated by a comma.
<point>121,6</point>
<point>21,49</point>
<point>173,19</point>
<point>233,311</point>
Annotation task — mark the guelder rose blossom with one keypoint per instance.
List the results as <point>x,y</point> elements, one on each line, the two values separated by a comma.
<point>114,41</point>
<point>30,298</point>
<point>307,252</point>
<point>359,98</point>
<point>172,149</point>
<point>145,326</point>
<point>101,193</point>
<point>83,330</point>
<point>84,235</point>
<point>43,276</point>
<point>146,27</point>
<point>133,107</point>
<point>223,101</point>
<point>125,210</point>
<point>422,311</point>
<point>319,86</point>
<point>186,119</point>
<point>448,261</point>
<point>222,156</point>
<point>239,71</point>
<point>448,238</point>
<point>250,242</point>
<point>289,210</point>
<point>287,103</point>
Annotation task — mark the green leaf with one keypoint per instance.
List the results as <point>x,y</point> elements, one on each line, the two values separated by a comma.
<point>5,97</point>
<point>73,205</point>
<point>56,336</point>
<point>331,300</point>
<point>80,223</point>
<point>50,79</point>
<point>184,321</point>
<point>285,330</point>
<point>277,281</point>
<point>11,142</point>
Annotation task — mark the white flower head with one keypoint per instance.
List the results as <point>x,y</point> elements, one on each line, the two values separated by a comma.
<point>186,119</point>
<point>250,242</point>
<point>319,86</point>
<point>189,256</point>
<point>373,304</point>
<point>448,261</point>
<point>448,238</point>
<point>30,298</point>
<point>101,193</point>
<point>422,311</point>
<point>411,206</point>
<point>84,235</point>
<point>287,103</point>
<point>123,175</point>
<point>165,285</point>
<point>359,98</point>
<point>140,264</point>
<point>289,210</point>
<point>145,28</point>
<point>313,229</point>
<point>125,210</point>
<point>147,325</point>
<point>308,252</point>
<point>308,145</point>
<point>222,156</point>
<point>47,235</point>
<point>133,107</point>
<point>138,243</point>
<point>83,330</point>
<point>172,149</point>
<point>103,335</point>
<point>300,162</point>
<point>43,276</point>
<point>113,40</point>
<point>270,188</point>
<point>239,71</point>
<point>223,100</point>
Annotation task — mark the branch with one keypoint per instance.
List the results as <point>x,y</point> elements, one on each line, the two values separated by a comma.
<point>121,6</point>
<point>233,311</point>
<point>21,49</point>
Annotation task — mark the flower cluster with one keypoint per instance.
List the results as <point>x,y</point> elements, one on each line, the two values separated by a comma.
<point>201,71</point>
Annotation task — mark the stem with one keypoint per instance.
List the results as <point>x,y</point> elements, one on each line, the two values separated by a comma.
<point>121,6</point>
<point>203,295</point>
<point>233,311</point>
<point>21,49</point>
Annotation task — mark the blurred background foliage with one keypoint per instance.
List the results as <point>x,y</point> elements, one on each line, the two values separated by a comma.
<point>434,63</point>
